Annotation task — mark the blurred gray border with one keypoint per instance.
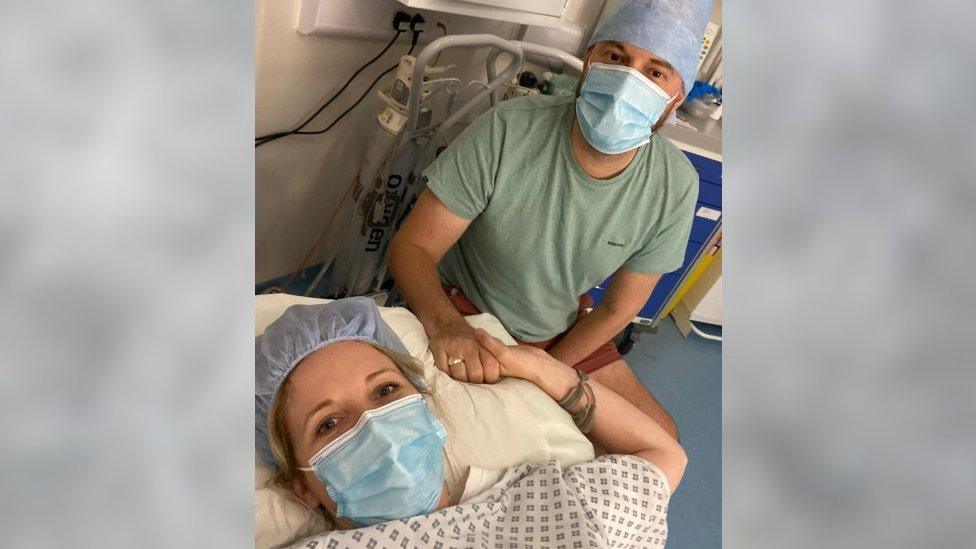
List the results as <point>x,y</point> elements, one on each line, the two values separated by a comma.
<point>850,192</point>
<point>126,268</point>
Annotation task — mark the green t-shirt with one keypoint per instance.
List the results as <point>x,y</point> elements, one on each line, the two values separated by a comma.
<point>542,231</point>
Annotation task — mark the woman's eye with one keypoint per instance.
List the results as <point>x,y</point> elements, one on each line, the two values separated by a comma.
<point>616,58</point>
<point>328,425</point>
<point>388,389</point>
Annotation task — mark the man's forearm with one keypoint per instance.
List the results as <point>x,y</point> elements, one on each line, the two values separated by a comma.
<point>416,276</point>
<point>593,330</point>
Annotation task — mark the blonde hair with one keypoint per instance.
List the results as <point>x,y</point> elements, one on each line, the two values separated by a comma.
<point>280,441</point>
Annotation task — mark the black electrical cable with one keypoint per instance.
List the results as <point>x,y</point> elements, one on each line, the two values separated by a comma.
<point>272,137</point>
<point>265,138</point>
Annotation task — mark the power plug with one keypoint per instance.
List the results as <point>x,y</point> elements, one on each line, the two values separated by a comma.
<point>402,21</point>
<point>417,23</point>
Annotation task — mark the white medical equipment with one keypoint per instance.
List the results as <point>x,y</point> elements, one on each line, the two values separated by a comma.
<point>368,19</point>
<point>403,144</point>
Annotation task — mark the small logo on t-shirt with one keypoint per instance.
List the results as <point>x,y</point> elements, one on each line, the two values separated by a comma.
<point>615,244</point>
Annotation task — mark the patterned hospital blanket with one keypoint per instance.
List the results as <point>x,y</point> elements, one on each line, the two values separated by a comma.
<point>612,501</point>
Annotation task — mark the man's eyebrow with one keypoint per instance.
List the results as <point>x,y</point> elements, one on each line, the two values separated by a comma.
<point>660,63</point>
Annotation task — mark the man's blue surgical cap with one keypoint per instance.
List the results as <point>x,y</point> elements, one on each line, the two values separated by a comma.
<point>299,332</point>
<point>671,29</point>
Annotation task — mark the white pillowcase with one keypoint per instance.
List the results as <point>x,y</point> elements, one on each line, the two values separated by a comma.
<point>489,426</point>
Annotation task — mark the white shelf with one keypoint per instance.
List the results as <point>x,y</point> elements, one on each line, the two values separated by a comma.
<point>371,20</point>
<point>537,13</point>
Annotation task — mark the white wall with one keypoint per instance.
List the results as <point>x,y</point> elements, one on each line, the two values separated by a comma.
<point>300,180</point>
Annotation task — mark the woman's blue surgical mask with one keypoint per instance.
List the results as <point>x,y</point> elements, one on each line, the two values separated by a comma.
<point>617,106</point>
<point>389,466</point>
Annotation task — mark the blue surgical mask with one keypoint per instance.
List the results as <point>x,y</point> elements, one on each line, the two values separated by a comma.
<point>617,106</point>
<point>389,466</point>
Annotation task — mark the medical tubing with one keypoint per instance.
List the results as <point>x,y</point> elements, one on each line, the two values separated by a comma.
<point>447,123</point>
<point>452,41</point>
<point>536,49</point>
<point>276,135</point>
<point>328,226</point>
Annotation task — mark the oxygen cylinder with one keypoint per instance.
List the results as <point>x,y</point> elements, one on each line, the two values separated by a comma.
<point>381,186</point>
<point>367,187</point>
<point>377,191</point>
<point>383,209</point>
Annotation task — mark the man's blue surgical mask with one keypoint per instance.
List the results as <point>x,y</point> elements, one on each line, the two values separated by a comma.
<point>617,106</point>
<point>389,466</point>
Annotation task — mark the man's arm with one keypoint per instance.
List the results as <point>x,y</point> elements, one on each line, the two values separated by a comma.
<point>426,235</point>
<point>626,295</point>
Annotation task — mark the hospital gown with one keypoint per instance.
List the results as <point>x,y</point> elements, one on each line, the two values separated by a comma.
<point>612,501</point>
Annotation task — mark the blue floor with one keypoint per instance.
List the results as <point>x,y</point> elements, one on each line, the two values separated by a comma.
<point>686,377</point>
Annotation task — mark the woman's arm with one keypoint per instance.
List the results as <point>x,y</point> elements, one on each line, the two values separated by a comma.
<point>618,425</point>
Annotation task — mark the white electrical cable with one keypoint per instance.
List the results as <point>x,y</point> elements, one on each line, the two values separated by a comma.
<point>703,334</point>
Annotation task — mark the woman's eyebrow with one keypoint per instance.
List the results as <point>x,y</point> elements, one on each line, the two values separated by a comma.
<point>329,402</point>
<point>378,372</point>
<point>324,404</point>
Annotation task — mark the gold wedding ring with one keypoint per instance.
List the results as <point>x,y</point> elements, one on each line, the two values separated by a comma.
<point>454,361</point>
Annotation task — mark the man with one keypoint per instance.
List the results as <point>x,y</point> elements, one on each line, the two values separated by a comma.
<point>541,198</point>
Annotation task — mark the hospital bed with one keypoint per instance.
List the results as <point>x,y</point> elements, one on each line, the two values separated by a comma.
<point>516,423</point>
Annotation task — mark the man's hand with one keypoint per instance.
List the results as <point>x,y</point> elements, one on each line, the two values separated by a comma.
<point>456,340</point>
<point>626,295</point>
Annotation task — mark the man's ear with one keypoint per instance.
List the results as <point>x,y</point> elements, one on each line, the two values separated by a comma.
<point>303,494</point>
<point>586,68</point>
<point>586,61</point>
<point>667,112</point>
<point>679,100</point>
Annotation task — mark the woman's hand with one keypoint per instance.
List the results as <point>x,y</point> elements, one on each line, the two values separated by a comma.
<point>522,361</point>
<point>456,340</point>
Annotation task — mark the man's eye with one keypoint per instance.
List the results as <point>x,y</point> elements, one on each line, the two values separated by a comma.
<point>616,58</point>
<point>657,74</point>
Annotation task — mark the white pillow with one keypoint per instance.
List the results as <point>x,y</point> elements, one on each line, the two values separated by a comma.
<point>514,422</point>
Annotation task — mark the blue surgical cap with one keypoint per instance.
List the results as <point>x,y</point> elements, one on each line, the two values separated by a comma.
<point>299,332</point>
<point>671,29</point>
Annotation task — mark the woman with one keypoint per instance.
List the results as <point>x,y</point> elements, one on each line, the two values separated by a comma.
<point>341,412</point>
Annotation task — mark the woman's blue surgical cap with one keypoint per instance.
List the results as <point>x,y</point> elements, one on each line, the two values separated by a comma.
<point>299,332</point>
<point>671,29</point>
